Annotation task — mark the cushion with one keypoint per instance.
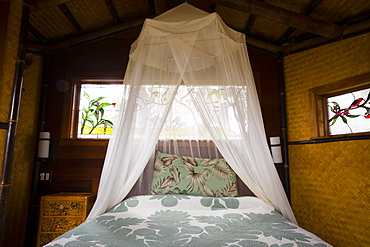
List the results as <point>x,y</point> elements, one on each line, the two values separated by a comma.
<point>176,174</point>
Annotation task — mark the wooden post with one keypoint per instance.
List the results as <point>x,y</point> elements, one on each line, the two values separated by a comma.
<point>284,129</point>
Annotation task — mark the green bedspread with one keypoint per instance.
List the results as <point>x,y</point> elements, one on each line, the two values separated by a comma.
<point>182,220</point>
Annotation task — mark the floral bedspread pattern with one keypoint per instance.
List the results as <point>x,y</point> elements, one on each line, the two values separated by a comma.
<point>183,220</point>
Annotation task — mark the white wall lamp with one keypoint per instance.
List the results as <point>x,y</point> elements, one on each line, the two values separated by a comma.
<point>275,146</point>
<point>45,147</point>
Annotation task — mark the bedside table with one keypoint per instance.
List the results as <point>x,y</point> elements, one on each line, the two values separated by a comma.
<point>62,212</point>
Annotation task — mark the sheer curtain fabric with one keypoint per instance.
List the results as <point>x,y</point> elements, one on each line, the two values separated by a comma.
<point>188,47</point>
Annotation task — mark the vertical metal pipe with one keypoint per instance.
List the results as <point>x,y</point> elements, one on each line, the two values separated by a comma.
<point>284,129</point>
<point>35,180</point>
<point>13,116</point>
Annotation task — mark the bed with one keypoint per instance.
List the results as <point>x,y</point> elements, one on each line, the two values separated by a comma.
<point>185,220</point>
<point>193,202</point>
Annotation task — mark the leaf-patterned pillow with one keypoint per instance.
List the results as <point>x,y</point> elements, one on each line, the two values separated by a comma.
<point>176,174</point>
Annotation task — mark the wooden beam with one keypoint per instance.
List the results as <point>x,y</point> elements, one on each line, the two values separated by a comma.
<point>250,23</point>
<point>308,10</point>
<point>113,11</point>
<point>71,18</point>
<point>349,31</point>
<point>263,45</point>
<point>91,37</point>
<point>38,35</point>
<point>98,35</point>
<point>152,7</point>
<point>284,16</point>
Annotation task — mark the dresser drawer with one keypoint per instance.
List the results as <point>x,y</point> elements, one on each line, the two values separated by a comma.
<point>62,212</point>
<point>59,224</point>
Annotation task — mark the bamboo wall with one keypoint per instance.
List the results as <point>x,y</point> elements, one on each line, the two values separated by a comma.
<point>330,186</point>
<point>26,136</point>
<point>9,42</point>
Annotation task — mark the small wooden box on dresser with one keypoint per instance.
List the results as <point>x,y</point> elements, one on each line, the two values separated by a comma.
<point>62,212</point>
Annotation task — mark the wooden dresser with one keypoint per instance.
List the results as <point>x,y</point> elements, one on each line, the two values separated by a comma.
<point>62,212</point>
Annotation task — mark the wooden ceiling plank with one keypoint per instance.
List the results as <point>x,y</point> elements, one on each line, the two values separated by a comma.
<point>113,11</point>
<point>71,18</point>
<point>285,17</point>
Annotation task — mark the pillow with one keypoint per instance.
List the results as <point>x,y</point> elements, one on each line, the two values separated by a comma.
<point>176,174</point>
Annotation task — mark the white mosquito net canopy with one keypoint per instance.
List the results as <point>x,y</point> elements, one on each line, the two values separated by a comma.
<point>189,47</point>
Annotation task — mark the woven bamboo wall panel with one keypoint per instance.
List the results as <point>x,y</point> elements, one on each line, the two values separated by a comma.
<point>317,67</point>
<point>24,155</point>
<point>10,56</point>
<point>330,186</point>
<point>2,144</point>
<point>330,190</point>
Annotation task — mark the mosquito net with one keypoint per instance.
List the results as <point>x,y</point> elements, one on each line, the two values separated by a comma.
<point>186,48</point>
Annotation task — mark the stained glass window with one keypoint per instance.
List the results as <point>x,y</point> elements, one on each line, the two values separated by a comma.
<point>97,109</point>
<point>99,103</point>
<point>349,113</point>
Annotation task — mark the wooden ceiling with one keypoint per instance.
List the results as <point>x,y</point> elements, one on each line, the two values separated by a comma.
<point>272,26</point>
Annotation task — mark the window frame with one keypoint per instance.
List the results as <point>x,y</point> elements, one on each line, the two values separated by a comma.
<point>318,102</point>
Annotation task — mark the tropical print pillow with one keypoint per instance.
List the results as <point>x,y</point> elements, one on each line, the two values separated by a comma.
<point>176,174</point>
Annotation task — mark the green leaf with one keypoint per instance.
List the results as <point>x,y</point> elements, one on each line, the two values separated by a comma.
<point>109,122</point>
<point>103,105</point>
<point>333,120</point>
<point>352,116</point>
<point>90,121</point>
<point>215,92</point>
<point>335,103</point>
<point>344,119</point>
<point>102,112</point>
<point>96,100</point>
<point>332,109</point>
<point>86,96</point>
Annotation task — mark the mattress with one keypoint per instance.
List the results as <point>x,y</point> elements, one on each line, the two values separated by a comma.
<point>183,220</point>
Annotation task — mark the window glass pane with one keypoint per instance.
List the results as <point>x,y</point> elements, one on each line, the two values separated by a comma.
<point>97,109</point>
<point>183,120</point>
<point>349,113</point>
<point>98,105</point>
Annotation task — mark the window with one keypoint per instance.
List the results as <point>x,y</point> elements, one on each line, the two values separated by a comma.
<point>341,108</point>
<point>96,112</point>
<point>95,104</point>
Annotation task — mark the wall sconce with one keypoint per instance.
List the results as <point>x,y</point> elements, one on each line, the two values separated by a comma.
<point>277,156</point>
<point>44,152</point>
